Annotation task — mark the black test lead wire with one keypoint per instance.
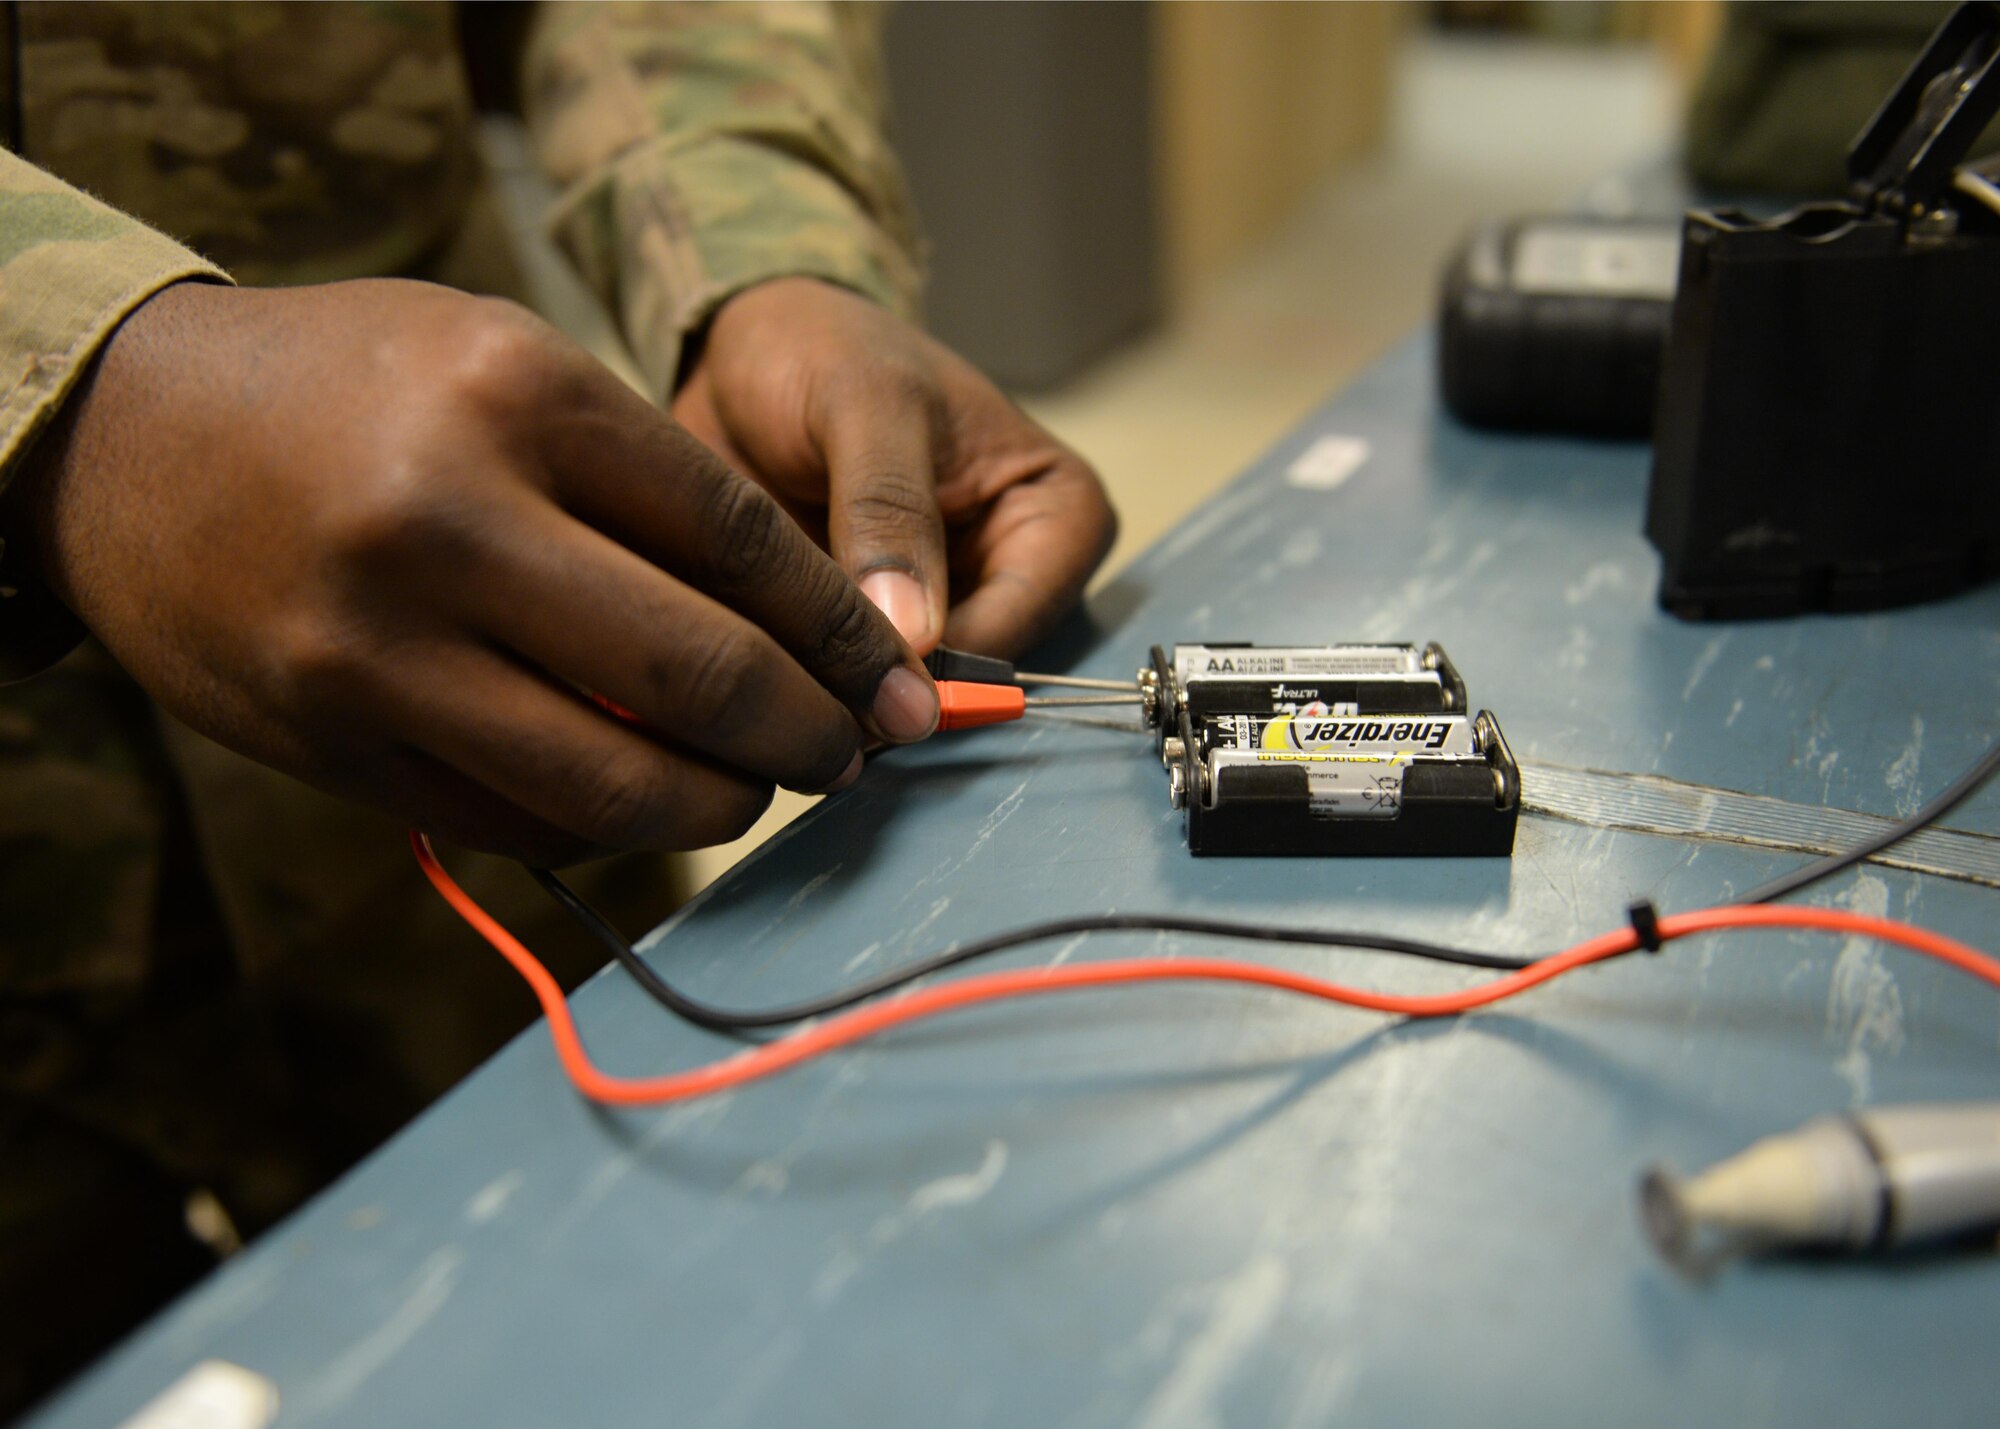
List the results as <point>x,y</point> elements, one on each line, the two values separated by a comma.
<point>736,1020</point>
<point>730,1020</point>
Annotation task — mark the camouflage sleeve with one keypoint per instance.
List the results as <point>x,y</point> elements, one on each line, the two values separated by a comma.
<point>707,147</point>
<point>71,268</point>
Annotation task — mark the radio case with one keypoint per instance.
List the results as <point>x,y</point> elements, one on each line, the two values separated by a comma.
<point>1828,435</point>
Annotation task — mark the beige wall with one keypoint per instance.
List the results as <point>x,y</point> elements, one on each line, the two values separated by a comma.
<point>1685,31</point>
<point>1257,102</point>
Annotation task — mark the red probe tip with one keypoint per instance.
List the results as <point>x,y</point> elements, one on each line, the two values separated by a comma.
<point>963,705</point>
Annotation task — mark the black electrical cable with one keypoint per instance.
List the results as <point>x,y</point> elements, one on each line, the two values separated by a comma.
<point>735,1020</point>
<point>1961,789</point>
<point>731,1020</point>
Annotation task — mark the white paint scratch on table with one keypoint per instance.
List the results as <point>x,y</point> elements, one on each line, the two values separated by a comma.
<point>1863,1005</point>
<point>1241,1311</point>
<point>946,1192</point>
<point>491,1199</point>
<point>424,1294</point>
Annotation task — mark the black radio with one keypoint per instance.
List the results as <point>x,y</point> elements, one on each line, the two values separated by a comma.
<point>1828,434</point>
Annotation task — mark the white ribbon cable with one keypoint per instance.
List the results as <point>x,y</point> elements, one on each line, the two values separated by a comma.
<point>1649,804</point>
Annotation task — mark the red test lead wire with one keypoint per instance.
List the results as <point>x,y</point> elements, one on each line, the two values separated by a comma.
<point>867,1021</point>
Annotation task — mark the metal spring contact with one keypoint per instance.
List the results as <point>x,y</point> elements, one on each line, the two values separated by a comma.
<point>1486,730</point>
<point>1435,660</point>
<point>1173,754</point>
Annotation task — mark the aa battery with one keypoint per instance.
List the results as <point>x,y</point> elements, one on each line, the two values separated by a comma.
<point>1361,792</point>
<point>1374,735</point>
<point>1260,662</point>
<point>1208,680</point>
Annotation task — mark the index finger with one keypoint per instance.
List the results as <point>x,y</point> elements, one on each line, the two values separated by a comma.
<point>1029,555</point>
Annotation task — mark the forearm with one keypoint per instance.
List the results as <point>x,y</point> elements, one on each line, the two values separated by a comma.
<point>71,270</point>
<point>707,148</point>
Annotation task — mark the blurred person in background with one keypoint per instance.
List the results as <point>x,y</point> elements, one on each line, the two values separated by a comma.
<point>1791,83</point>
<point>372,535</point>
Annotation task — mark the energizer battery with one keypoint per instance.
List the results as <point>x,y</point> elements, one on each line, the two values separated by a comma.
<point>1437,785</point>
<point>1343,734</point>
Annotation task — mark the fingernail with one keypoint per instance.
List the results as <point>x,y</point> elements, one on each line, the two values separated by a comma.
<point>898,596</point>
<point>847,775</point>
<point>906,705</point>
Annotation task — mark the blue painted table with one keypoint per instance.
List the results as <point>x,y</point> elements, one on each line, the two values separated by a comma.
<point>1182,1205</point>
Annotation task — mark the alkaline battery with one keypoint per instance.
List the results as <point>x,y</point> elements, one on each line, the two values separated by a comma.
<point>1257,662</point>
<point>1337,786</point>
<point>1207,680</point>
<point>1344,734</point>
<point>1437,785</point>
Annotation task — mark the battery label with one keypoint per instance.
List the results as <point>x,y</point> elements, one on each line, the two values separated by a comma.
<point>1335,733</point>
<point>1194,663</point>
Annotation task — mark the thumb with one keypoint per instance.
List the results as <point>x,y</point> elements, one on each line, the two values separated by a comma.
<point>883,523</point>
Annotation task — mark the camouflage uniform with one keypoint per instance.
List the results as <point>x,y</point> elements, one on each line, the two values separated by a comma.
<point>213,979</point>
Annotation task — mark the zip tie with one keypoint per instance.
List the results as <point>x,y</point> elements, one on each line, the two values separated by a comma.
<point>1646,924</point>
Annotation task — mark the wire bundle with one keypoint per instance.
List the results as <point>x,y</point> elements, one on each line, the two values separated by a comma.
<point>851,1022</point>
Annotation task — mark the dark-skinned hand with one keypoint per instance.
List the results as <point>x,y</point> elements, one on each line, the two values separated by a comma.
<point>959,516</point>
<point>378,535</point>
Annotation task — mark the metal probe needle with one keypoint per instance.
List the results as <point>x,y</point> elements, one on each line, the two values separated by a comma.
<point>1078,682</point>
<point>1123,726</point>
<point>967,704</point>
<point>1061,701</point>
<point>1059,707</point>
